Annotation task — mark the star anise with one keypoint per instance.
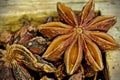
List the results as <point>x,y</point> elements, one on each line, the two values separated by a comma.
<point>82,34</point>
<point>14,59</point>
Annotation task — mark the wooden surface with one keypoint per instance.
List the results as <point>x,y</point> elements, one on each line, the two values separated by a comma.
<point>11,11</point>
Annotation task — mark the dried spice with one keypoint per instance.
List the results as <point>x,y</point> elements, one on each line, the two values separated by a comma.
<point>30,60</point>
<point>60,74</point>
<point>10,69</point>
<point>6,37</point>
<point>44,65</point>
<point>46,78</point>
<point>82,34</point>
<point>21,73</point>
<point>15,56</point>
<point>26,33</point>
<point>5,71</point>
<point>77,76</point>
<point>69,49</point>
<point>36,45</point>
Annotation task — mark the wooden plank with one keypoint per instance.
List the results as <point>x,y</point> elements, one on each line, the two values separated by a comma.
<point>37,2</point>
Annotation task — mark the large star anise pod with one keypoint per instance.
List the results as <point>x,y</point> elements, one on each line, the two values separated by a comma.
<point>82,34</point>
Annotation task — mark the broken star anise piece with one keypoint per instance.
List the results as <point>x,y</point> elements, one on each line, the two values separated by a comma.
<point>44,65</point>
<point>26,33</point>
<point>20,72</point>
<point>6,37</point>
<point>77,76</point>
<point>10,69</point>
<point>36,45</point>
<point>23,56</point>
<point>60,74</point>
<point>5,70</point>
<point>84,33</point>
<point>15,56</point>
<point>46,78</point>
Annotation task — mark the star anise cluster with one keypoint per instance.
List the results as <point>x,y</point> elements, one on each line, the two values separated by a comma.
<point>70,48</point>
<point>79,36</point>
<point>20,52</point>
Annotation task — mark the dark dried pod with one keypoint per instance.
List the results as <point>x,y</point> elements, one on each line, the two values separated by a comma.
<point>22,55</point>
<point>60,74</point>
<point>6,37</point>
<point>16,55</point>
<point>10,69</point>
<point>24,34</point>
<point>21,73</point>
<point>36,45</point>
<point>46,78</point>
<point>44,65</point>
<point>88,71</point>
<point>5,70</point>
<point>77,76</point>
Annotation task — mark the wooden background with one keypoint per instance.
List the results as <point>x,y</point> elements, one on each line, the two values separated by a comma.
<point>11,11</point>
